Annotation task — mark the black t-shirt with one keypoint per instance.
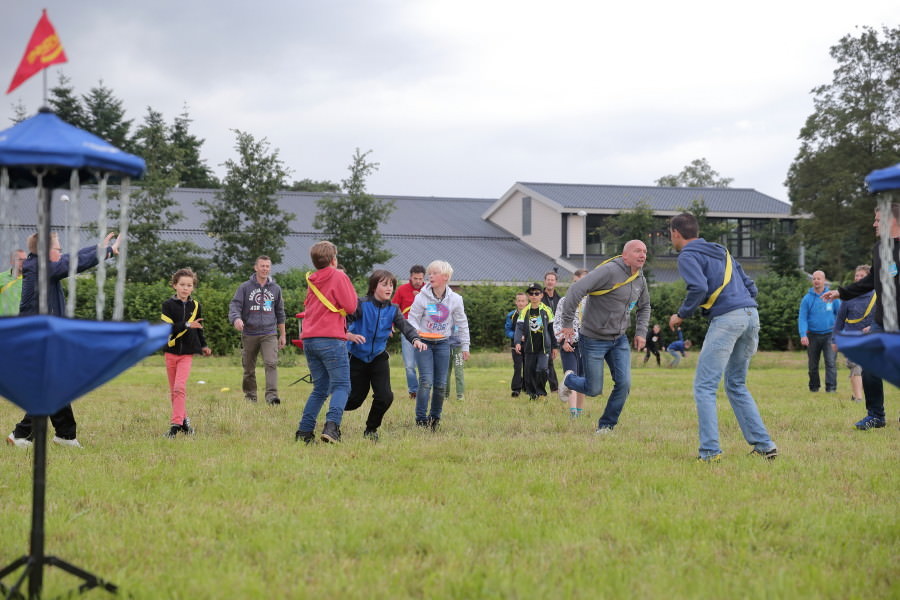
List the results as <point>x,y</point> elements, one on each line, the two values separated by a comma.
<point>535,334</point>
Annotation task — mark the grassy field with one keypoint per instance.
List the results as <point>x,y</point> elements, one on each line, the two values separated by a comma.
<point>510,499</point>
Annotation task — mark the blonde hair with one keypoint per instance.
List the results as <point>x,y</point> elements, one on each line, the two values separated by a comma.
<point>322,253</point>
<point>33,241</point>
<point>442,267</point>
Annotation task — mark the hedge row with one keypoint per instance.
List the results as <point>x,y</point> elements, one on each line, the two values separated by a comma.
<point>486,308</point>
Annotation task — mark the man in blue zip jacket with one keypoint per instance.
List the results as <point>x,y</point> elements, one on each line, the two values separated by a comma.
<point>815,322</point>
<point>368,331</point>
<point>717,284</point>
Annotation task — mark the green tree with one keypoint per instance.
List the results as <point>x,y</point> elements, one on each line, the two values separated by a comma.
<point>66,104</point>
<point>854,129</point>
<point>697,174</point>
<point>245,218</point>
<point>308,185</point>
<point>20,112</point>
<point>105,117</point>
<point>352,221</point>
<point>151,258</point>
<point>711,231</point>
<point>195,172</point>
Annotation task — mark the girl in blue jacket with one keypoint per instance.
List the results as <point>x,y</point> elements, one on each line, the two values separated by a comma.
<point>368,330</point>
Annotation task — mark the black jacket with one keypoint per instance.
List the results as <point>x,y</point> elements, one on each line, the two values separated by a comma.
<point>183,339</point>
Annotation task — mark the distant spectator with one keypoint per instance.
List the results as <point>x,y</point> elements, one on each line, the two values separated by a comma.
<point>816,322</point>
<point>512,319</point>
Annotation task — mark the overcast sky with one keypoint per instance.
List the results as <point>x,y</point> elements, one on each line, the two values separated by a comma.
<point>463,97</point>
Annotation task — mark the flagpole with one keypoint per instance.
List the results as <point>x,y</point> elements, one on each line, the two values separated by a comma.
<point>45,87</point>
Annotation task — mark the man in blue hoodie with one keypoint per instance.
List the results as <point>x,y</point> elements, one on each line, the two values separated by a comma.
<point>718,286</point>
<point>816,322</point>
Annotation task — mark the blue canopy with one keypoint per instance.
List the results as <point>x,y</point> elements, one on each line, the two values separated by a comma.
<point>52,361</point>
<point>45,140</point>
<point>882,180</point>
<point>878,352</point>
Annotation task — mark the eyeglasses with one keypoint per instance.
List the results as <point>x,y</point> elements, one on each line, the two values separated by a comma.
<point>535,293</point>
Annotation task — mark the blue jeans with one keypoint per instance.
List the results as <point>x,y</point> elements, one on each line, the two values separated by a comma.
<point>617,355</point>
<point>409,360</point>
<point>676,357</point>
<point>433,365</point>
<point>730,342</point>
<point>329,366</point>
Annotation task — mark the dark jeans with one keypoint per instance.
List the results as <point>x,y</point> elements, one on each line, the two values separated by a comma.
<point>551,375</point>
<point>516,384</point>
<point>873,388</point>
<point>534,372</point>
<point>376,374</point>
<point>820,344</point>
<point>64,423</point>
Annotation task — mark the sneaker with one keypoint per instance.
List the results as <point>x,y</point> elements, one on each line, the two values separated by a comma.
<point>331,433</point>
<point>73,443</point>
<point>870,422</point>
<point>412,395</point>
<point>564,391</point>
<point>371,434</point>
<point>186,426</point>
<point>713,458</point>
<point>307,437</point>
<point>604,430</point>
<point>12,440</point>
<point>767,454</point>
<point>433,423</point>
<point>172,432</point>
<point>273,401</point>
<point>422,423</point>
<point>250,399</point>
<point>515,394</point>
<point>460,398</point>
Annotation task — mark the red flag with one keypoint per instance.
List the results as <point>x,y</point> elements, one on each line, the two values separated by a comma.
<point>44,49</point>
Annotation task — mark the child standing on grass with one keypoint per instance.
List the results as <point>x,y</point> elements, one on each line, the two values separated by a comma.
<point>182,311</point>
<point>369,330</point>
<point>653,342</point>
<point>329,299</point>
<point>512,319</point>
<point>537,343</point>
<point>570,352</point>
<point>433,314</point>
<point>456,368</point>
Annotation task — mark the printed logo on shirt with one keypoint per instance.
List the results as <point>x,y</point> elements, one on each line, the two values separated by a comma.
<point>535,324</point>
<point>262,300</point>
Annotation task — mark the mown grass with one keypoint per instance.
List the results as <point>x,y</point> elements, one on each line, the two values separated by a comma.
<point>510,499</point>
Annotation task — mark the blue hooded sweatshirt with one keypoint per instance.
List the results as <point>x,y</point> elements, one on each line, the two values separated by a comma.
<point>702,266</point>
<point>816,315</point>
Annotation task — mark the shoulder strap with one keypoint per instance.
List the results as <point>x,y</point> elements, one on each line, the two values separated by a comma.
<point>865,314</point>
<point>618,285</point>
<point>715,295</point>
<point>193,316</point>
<point>10,284</point>
<point>327,303</point>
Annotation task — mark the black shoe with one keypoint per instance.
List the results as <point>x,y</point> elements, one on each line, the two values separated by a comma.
<point>186,426</point>
<point>768,454</point>
<point>515,394</point>
<point>433,423</point>
<point>371,434</point>
<point>172,432</point>
<point>307,437</point>
<point>421,422</point>
<point>331,433</point>
<point>274,401</point>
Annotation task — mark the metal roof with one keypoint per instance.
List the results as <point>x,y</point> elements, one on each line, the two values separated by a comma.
<point>720,202</point>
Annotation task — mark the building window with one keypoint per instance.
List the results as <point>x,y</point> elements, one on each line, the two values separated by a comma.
<point>526,215</point>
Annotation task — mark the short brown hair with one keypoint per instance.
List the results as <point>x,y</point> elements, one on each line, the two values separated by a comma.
<point>377,277</point>
<point>685,224</point>
<point>322,253</point>
<point>185,272</point>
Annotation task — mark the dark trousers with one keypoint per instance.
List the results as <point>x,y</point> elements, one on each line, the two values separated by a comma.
<point>376,374</point>
<point>516,384</point>
<point>655,352</point>
<point>820,344</point>
<point>551,375</point>
<point>873,389</point>
<point>534,372</point>
<point>63,422</point>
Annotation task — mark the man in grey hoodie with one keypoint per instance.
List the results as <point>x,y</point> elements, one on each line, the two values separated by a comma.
<point>614,289</point>
<point>257,311</point>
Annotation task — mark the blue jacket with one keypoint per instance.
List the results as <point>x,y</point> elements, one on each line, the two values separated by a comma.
<point>816,315</point>
<point>373,320</point>
<point>854,310</point>
<point>59,270</point>
<point>702,266</point>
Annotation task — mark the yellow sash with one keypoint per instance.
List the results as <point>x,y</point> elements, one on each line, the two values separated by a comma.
<point>9,285</point>
<point>323,299</point>
<point>183,331</point>
<point>715,295</point>
<point>865,314</point>
<point>618,285</point>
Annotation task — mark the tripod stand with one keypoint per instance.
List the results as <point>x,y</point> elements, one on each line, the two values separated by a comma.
<point>34,561</point>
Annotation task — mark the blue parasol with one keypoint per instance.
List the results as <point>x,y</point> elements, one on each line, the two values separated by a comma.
<point>877,352</point>
<point>90,353</point>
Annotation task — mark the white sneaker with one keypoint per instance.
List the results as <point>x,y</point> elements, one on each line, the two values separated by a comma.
<point>604,430</point>
<point>563,389</point>
<point>12,440</point>
<point>65,442</point>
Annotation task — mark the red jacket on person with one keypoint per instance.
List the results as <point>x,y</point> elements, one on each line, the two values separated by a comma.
<point>321,321</point>
<point>404,297</point>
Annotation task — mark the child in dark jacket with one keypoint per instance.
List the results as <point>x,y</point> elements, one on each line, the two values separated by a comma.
<point>538,345</point>
<point>182,311</point>
<point>368,332</point>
